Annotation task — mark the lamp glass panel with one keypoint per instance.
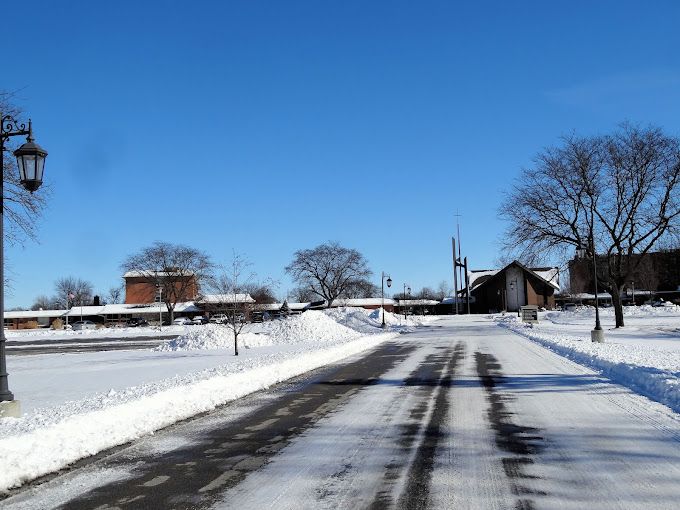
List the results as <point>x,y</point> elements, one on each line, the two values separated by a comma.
<point>40,168</point>
<point>28,167</point>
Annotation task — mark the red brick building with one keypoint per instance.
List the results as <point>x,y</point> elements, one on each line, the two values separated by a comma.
<point>141,286</point>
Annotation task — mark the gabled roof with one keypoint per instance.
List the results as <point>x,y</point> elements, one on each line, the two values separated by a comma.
<point>549,275</point>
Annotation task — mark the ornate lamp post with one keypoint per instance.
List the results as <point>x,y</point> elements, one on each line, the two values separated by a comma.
<point>407,290</point>
<point>31,162</point>
<point>382,293</point>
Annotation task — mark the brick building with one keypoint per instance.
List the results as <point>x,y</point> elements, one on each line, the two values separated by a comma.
<point>659,271</point>
<point>141,286</point>
<point>512,287</point>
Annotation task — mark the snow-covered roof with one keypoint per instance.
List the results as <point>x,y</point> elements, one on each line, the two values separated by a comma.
<point>277,306</point>
<point>33,314</point>
<point>225,298</point>
<point>417,302</point>
<point>550,274</point>
<point>473,276</point>
<point>131,309</point>
<point>156,274</point>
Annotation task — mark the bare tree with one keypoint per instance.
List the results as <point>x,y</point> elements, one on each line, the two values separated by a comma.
<point>262,293</point>
<point>443,290</point>
<point>617,196</point>
<point>360,289</point>
<point>426,293</point>
<point>21,208</point>
<point>72,291</point>
<point>328,270</point>
<point>231,283</point>
<point>115,294</point>
<point>303,295</point>
<point>42,302</point>
<point>176,269</point>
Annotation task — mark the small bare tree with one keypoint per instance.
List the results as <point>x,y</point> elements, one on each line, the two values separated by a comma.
<point>115,294</point>
<point>42,302</point>
<point>176,269</point>
<point>617,196</point>
<point>329,270</point>
<point>231,284</point>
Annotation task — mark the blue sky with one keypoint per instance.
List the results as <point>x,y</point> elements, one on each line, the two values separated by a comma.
<point>267,127</point>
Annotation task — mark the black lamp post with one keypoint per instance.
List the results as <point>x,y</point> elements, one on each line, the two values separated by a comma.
<point>597,334</point>
<point>31,162</point>
<point>382,293</point>
<point>407,289</point>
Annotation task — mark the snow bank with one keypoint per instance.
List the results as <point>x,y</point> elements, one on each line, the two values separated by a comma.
<point>652,372</point>
<point>332,325</point>
<point>587,313</point>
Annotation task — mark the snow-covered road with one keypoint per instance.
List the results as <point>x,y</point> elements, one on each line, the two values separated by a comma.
<point>461,414</point>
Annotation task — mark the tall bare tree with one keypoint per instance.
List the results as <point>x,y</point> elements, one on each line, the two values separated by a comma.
<point>176,269</point>
<point>329,270</point>
<point>21,208</point>
<point>232,283</point>
<point>72,291</point>
<point>616,195</point>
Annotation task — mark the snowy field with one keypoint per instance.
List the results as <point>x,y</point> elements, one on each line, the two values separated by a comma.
<point>77,404</point>
<point>644,355</point>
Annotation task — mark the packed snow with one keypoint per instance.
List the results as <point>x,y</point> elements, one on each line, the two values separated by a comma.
<point>93,401</point>
<point>643,356</point>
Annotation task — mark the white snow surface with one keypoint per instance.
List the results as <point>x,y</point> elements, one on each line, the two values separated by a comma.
<point>643,356</point>
<point>332,325</point>
<point>189,376</point>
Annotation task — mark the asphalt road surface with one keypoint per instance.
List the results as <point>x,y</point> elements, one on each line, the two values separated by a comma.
<point>457,415</point>
<point>76,344</point>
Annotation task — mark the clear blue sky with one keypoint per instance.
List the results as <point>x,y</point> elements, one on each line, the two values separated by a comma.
<point>266,127</point>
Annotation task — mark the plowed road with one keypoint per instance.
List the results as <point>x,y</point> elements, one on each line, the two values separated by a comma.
<point>457,415</point>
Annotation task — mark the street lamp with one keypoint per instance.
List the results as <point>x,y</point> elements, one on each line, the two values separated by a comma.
<point>31,162</point>
<point>382,293</point>
<point>406,289</point>
<point>597,334</point>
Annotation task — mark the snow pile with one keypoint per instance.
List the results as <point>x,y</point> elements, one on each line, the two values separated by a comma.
<point>311,326</point>
<point>650,371</point>
<point>209,336</point>
<point>365,321</point>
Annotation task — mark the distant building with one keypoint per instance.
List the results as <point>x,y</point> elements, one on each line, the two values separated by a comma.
<point>141,286</point>
<point>658,273</point>
<point>515,285</point>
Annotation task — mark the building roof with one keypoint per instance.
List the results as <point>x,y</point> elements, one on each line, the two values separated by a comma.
<point>417,302</point>
<point>130,309</point>
<point>156,274</point>
<point>34,314</point>
<point>549,275</point>
<point>214,299</point>
<point>270,307</point>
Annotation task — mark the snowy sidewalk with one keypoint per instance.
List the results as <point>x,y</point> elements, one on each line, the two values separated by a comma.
<point>644,359</point>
